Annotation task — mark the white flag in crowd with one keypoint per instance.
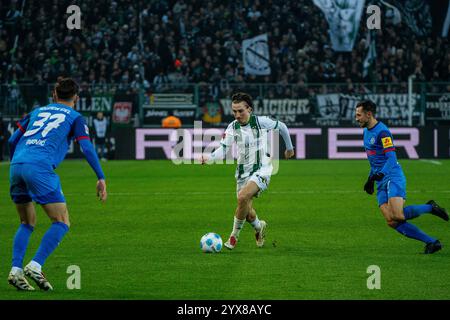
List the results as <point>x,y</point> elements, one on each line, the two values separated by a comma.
<point>371,52</point>
<point>255,54</point>
<point>343,20</point>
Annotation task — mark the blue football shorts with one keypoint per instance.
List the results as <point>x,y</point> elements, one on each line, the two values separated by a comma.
<point>390,187</point>
<point>30,182</point>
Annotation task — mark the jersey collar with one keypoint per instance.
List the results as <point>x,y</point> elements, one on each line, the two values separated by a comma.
<point>374,126</point>
<point>60,105</point>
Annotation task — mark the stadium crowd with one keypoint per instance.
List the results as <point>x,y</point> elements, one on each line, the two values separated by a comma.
<point>140,44</point>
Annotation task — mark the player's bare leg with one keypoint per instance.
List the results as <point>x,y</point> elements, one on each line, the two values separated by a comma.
<point>245,196</point>
<point>395,218</point>
<point>27,215</point>
<point>58,214</point>
<point>259,225</point>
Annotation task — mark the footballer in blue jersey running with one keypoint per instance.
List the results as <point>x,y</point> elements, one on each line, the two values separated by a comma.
<point>36,149</point>
<point>391,182</point>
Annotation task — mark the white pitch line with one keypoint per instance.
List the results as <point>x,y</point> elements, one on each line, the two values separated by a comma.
<point>432,161</point>
<point>229,192</point>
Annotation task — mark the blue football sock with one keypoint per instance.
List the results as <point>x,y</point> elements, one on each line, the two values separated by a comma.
<point>20,244</point>
<point>50,241</point>
<point>412,212</point>
<point>411,231</point>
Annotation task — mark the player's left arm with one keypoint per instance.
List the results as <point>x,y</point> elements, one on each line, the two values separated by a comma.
<point>225,143</point>
<point>387,143</point>
<point>268,123</point>
<point>15,137</point>
<point>81,135</point>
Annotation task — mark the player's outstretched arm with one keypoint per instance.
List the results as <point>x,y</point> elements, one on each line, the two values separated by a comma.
<point>369,186</point>
<point>284,131</point>
<point>88,150</point>
<point>15,137</point>
<point>219,153</point>
<point>13,141</point>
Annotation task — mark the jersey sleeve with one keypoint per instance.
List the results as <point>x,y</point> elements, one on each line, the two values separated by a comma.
<point>386,141</point>
<point>271,124</point>
<point>23,123</point>
<point>268,123</point>
<point>228,136</point>
<point>80,130</point>
<point>88,150</point>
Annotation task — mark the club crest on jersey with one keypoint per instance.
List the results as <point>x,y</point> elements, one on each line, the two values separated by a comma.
<point>372,140</point>
<point>387,142</point>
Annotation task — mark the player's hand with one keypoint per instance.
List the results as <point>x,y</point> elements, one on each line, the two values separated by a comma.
<point>369,186</point>
<point>101,190</point>
<point>377,177</point>
<point>288,154</point>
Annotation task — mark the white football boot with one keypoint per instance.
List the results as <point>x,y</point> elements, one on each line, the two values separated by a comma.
<point>19,281</point>
<point>261,234</point>
<point>38,277</point>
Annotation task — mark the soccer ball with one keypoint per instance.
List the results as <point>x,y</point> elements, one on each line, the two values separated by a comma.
<point>211,242</point>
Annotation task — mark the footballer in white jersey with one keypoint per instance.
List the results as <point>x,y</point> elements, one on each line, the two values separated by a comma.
<point>254,165</point>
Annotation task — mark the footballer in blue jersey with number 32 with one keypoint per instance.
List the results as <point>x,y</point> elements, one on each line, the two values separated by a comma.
<point>388,175</point>
<point>37,148</point>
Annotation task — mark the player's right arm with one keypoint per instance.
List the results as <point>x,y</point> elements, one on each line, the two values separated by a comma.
<point>81,135</point>
<point>268,123</point>
<point>226,142</point>
<point>15,137</point>
<point>369,186</point>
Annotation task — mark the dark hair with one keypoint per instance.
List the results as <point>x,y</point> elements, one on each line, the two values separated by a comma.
<point>66,88</point>
<point>242,96</point>
<point>367,106</point>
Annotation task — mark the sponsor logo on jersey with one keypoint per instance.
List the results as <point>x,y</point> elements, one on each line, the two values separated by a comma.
<point>387,142</point>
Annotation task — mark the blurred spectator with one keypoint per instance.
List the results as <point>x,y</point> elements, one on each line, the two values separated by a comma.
<point>100,131</point>
<point>197,37</point>
<point>3,136</point>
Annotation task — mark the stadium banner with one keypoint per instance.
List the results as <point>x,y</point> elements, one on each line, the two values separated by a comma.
<point>438,108</point>
<point>309,143</point>
<point>95,103</point>
<point>155,107</point>
<point>337,109</point>
<point>124,108</point>
<point>255,54</point>
<point>153,115</point>
<point>343,19</point>
<point>293,112</point>
<point>332,109</point>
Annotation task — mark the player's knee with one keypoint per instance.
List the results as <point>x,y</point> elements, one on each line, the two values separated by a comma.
<point>61,218</point>
<point>28,222</point>
<point>398,216</point>
<point>392,223</point>
<point>243,198</point>
<point>250,217</point>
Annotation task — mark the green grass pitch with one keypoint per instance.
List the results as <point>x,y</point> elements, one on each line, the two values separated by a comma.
<point>143,243</point>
